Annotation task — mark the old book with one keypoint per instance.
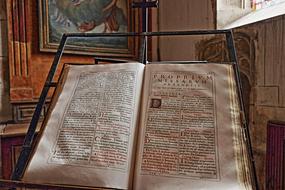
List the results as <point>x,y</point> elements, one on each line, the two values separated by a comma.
<point>131,126</point>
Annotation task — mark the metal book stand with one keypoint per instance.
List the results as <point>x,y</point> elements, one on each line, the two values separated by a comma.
<point>30,140</point>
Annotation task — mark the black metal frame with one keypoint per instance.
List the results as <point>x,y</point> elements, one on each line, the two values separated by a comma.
<point>29,139</point>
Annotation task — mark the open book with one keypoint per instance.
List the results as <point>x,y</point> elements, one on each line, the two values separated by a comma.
<point>153,127</point>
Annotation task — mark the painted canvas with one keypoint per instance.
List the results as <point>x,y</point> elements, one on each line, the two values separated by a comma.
<point>87,16</point>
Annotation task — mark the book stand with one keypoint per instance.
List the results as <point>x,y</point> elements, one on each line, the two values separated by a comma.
<point>144,35</point>
<point>50,83</point>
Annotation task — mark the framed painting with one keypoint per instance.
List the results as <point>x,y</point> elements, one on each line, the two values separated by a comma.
<point>88,16</point>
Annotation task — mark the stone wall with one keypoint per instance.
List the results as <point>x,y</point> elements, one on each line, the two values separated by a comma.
<point>183,15</point>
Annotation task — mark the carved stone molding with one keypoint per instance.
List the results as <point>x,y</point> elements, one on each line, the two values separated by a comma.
<point>245,47</point>
<point>215,50</point>
<point>212,49</point>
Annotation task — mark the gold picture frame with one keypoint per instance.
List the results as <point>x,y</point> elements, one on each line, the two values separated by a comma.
<point>92,16</point>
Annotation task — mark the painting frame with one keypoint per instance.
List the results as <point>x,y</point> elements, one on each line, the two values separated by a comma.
<point>111,47</point>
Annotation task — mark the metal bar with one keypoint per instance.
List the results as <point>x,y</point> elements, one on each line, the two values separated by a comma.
<point>145,57</point>
<point>104,59</point>
<point>51,84</point>
<point>145,4</point>
<point>179,62</point>
<point>166,33</point>
<point>244,122</point>
<point>231,47</point>
<point>143,52</point>
<point>27,146</point>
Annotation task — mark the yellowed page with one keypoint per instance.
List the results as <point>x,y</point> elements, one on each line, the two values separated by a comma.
<point>188,135</point>
<point>89,137</point>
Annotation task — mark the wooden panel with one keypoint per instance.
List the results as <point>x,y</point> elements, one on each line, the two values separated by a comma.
<point>5,106</point>
<point>273,40</point>
<point>183,15</point>
<point>24,112</point>
<point>269,51</point>
<point>186,15</point>
<point>277,49</point>
<point>28,66</point>
<point>282,70</point>
<point>9,147</point>
<point>3,38</point>
<point>260,50</point>
<point>17,40</point>
<point>266,96</point>
<point>2,10</point>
